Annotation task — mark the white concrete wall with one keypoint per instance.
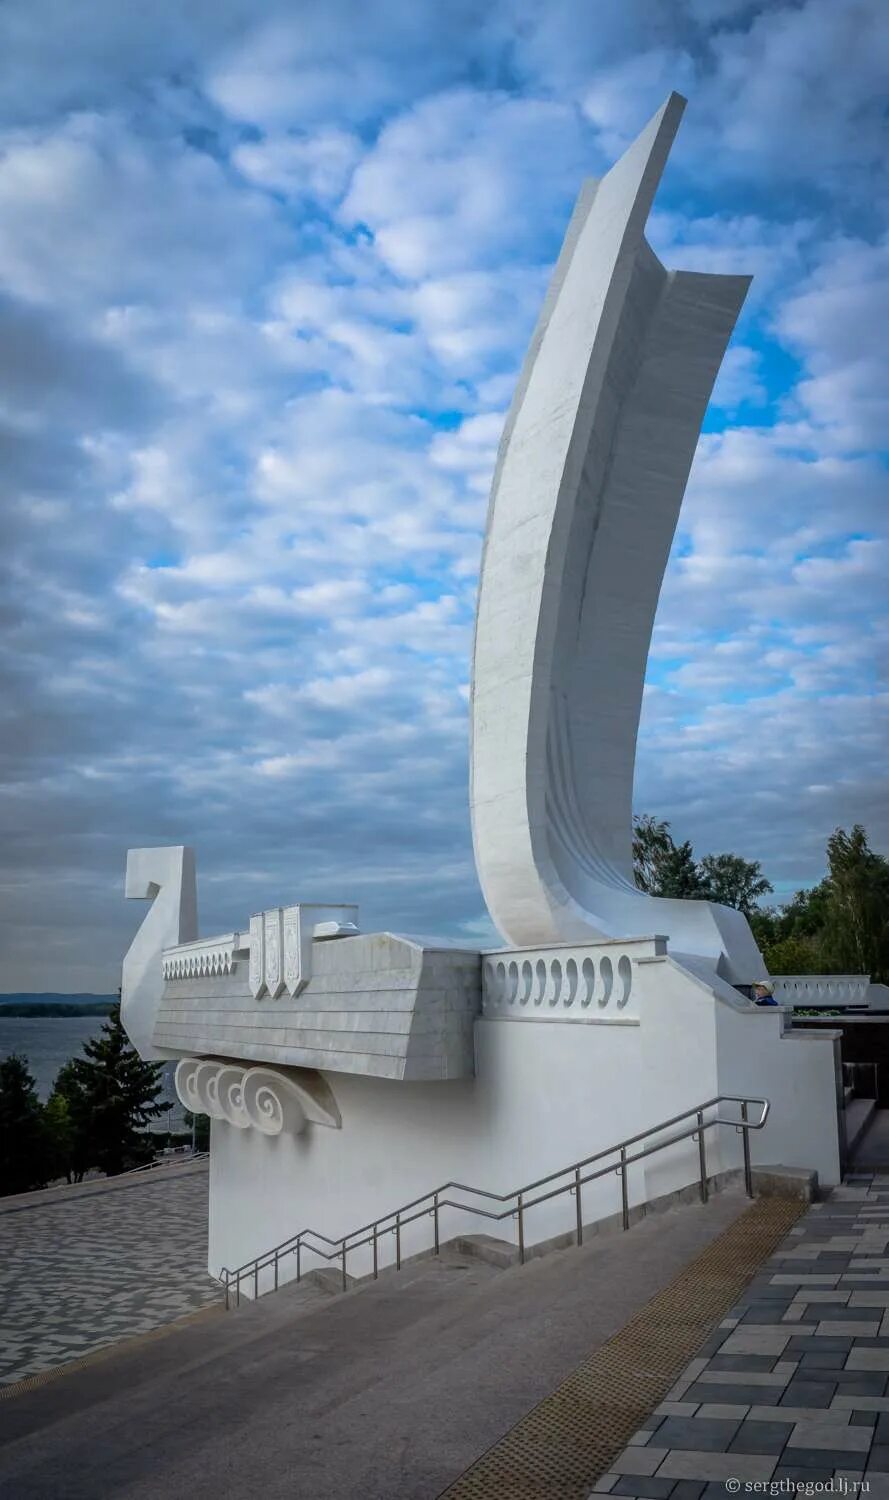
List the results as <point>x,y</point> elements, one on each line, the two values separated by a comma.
<point>544,1096</point>
<point>546,1093</point>
<point>679,1058</point>
<point>797,1072</point>
<point>708,1040</point>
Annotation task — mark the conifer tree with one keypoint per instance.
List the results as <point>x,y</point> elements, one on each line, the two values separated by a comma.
<point>24,1158</point>
<point>112,1095</point>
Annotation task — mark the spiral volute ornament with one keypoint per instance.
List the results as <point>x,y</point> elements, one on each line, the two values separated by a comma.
<point>186,1084</point>
<point>230,1095</point>
<point>272,1103</point>
<point>251,1098</point>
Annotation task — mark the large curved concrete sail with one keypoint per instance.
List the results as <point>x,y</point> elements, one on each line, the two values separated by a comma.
<point>590,476</point>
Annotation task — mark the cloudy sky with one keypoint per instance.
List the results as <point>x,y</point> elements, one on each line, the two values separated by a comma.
<point>267,272</point>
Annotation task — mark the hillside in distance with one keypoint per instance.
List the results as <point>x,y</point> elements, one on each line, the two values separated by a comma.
<point>45,1004</point>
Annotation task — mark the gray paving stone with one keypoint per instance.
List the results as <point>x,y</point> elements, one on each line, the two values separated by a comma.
<point>868,1359</point>
<point>746,1363</point>
<point>760,1437</point>
<point>793,1414</point>
<point>644,1487</point>
<point>829,1433</point>
<point>821,1359</point>
<point>736,1394</point>
<point>809,1344</point>
<point>699,1464</point>
<point>818,1458</point>
<point>758,1340</point>
<point>782,1372</point>
<point>639,1461</point>
<point>860,1382</point>
<point>805,1476</point>
<point>696,1432</point>
<point>813,1393</point>
<point>846,1329</point>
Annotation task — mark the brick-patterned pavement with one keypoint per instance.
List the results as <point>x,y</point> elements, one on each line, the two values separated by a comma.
<point>793,1384</point>
<point>85,1267</point>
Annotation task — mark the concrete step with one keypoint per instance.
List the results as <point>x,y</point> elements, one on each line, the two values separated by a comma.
<point>871,1150</point>
<point>859,1115</point>
<point>387,1392</point>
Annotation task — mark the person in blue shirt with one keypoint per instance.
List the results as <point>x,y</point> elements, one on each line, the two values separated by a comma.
<point>764,993</point>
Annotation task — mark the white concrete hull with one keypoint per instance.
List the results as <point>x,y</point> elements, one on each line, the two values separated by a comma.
<point>546,1093</point>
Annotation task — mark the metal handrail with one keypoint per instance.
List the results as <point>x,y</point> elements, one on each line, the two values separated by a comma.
<point>431,1203</point>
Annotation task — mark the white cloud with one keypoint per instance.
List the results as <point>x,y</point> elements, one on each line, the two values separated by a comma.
<point>833,322</point>
<point>265,285</point>
<point>319,164</point>
<point>449,183</point>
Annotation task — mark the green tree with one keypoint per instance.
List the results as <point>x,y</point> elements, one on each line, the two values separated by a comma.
<point>652,844</point>
<point>664,868</point>
<point>24,1157</point>
<point>793,955</point>
<point>201,1128</point>
<point>855,935</point>
<point>68,1110</point>
<point>60,1136</point>
<point>112,1095</point>
<point>680,875</point>
<point>734,881</point>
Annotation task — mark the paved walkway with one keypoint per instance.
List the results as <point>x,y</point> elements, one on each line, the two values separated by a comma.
<point>387,1393</point>
<point>97,1263</point>
<point>391,1392</point>
<point>793,1384</point>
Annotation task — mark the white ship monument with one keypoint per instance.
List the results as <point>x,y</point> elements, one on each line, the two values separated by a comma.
<point>353,1079</point>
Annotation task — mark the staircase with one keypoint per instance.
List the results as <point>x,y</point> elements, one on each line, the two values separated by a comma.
<point>386,1394</point>
<point>264,1274</point>
<point>859,1103</point>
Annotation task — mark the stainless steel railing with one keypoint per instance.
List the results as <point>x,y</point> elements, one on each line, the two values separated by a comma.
<point>430,1204</point>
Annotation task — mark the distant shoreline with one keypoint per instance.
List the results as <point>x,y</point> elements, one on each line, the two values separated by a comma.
<point>36,1010</point>
<point>34,1005</point>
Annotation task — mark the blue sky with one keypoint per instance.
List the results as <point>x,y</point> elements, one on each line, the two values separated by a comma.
<point>266,277</point>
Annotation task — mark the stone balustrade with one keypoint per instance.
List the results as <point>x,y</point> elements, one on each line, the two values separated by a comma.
<point>204,957</point>
<point>832,990</point>
<point>584,981</point>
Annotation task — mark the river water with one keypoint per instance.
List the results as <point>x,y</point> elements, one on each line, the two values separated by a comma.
<point>49,1041</point>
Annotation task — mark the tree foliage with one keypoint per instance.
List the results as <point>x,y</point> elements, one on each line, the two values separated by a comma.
<point>651,844</point>
<point>24,1147</point>
<point>107,1098</point>
<point>855,934</point>
<point>665,868</point>
<point>734,881</point>
<point>95,1117</point>
<point>839,926</point>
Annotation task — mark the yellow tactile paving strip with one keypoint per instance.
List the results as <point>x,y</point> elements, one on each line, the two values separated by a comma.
<point>560,1449</point>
